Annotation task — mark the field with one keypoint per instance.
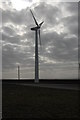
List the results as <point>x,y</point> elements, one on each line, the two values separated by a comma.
<point>34,102</point>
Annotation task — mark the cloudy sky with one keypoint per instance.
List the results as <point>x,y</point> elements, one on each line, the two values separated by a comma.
<point>58,55</point>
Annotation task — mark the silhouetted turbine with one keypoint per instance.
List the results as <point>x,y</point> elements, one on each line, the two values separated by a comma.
<point>37,32</point>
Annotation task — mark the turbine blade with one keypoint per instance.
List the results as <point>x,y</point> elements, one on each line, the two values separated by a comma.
<point>39,37</point>
<point>34,18</point>
<point>41,23</point>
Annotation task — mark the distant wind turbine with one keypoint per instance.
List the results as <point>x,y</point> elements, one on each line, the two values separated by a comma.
<point>18,72</point>
<point>37,32</point>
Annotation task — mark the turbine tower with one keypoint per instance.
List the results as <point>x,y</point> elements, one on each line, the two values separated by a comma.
<point>37,32</point>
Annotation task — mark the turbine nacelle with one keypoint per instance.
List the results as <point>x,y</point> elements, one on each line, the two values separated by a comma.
<point>38,26</point>
<point>35,28</point>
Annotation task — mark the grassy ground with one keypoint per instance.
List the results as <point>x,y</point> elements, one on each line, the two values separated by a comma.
<point>35,102</point>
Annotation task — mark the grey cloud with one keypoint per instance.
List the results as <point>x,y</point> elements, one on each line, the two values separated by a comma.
<point>14,39</point>
<point>61,48</point>
<point>50,37</point>
<point>71,22</point>
<point>10,57</point>
<point>17,17</point>
<point>9,31</point>
<point>72,7</point>
<point>0,16</point>
<point>48,13</point>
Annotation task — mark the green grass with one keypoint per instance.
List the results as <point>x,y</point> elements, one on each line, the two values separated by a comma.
<point>35,102</point>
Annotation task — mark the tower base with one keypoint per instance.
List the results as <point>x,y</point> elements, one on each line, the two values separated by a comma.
<point>36,80</point>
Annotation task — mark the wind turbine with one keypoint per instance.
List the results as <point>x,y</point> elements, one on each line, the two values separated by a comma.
<point>18,72</point>
<point>37,32</point>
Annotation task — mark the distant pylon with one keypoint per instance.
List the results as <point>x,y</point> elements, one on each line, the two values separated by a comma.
<point>18,72</point>
<point>79,71</point>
